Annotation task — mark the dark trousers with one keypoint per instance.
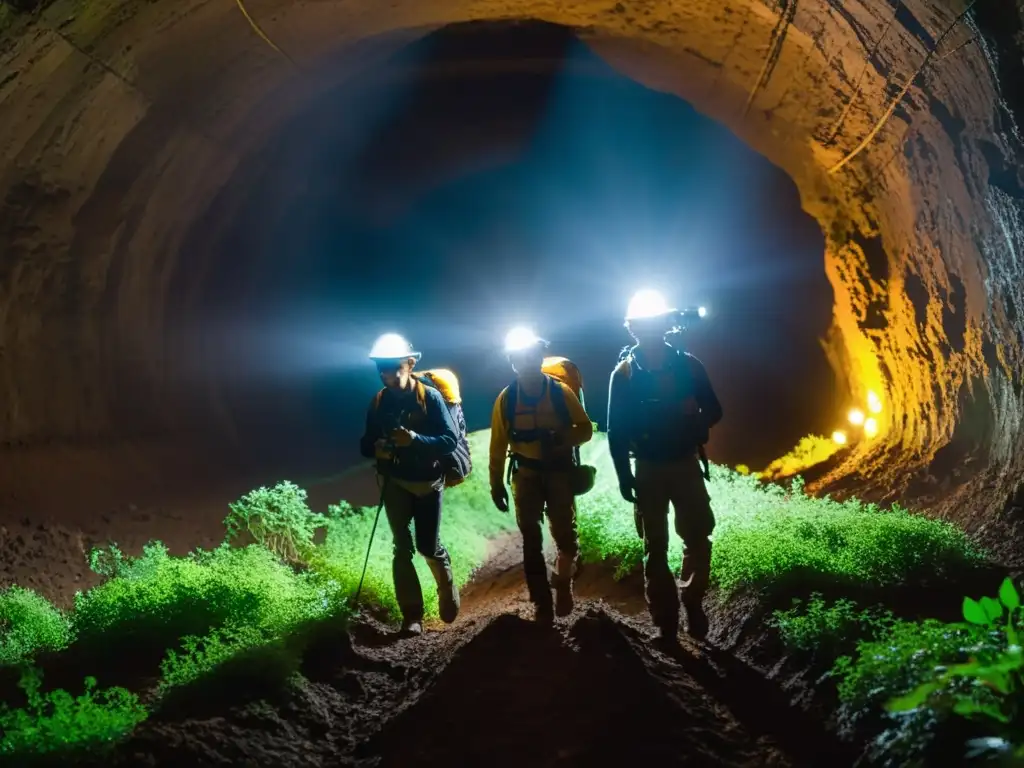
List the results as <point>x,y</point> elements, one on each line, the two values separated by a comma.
<point>423,513</point>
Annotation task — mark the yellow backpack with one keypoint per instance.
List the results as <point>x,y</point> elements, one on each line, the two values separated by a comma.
<point>566,371</point>
<point>457,466</point>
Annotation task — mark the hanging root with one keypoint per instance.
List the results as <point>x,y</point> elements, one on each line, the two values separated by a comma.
<point>903,92</point>
<point>774,51</point>
<point>860,80</point>
<point>263,35</point>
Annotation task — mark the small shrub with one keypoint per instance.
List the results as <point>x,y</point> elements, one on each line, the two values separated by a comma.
<point>29,623</point>
<point>107,561</point>
<point>277,518</point>
<point>57,722</point>
<point>828,628</point>
<point>157,599</point>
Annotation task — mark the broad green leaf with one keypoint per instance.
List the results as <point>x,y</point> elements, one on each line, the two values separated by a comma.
<point>993,608</point>
<point>912,699</point>
<point>966,707</point>
<point>998,680</point>
<point>1008,594</point>
<point>974,613</point>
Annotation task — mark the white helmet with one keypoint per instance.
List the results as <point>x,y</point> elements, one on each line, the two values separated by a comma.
<point>521,338</point>
<point>647,304</point>
<point>391,346</point>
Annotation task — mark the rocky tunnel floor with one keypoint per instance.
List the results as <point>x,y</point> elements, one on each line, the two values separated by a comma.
<point>495,689</point>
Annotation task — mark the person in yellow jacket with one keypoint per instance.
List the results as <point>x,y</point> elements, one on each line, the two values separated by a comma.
<point>536,423</point>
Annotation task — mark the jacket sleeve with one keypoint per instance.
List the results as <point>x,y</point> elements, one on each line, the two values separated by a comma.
<point>618,422</point>
<point>582,429</point>
<point>710,408</point>
<point>499,442</point>
<point>371,433</point>
<point>440,418</point>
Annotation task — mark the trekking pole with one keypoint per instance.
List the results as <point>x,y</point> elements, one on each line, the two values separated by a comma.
<point>373,532</point>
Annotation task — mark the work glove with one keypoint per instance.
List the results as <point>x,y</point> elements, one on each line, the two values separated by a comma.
<point>626,487</point>
<point>500,498</point>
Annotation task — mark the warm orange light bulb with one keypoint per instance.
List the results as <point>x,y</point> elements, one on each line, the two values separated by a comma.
<point>856,416</point>
<point>874,403</point>
<point>839,437</point>
<point>870,427</point>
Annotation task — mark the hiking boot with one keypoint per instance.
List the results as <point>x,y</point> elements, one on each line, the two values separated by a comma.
<point>447,593</point>
<point>543,613</point>
<point>667,633</point>
<point>448,604</point>
<point>696,619</point>
<point>563,600</point>
<point>412,628</point>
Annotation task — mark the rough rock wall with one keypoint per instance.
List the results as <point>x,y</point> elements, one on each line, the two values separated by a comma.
<point>123,119</point>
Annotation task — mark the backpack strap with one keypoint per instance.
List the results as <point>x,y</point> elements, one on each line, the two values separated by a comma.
<point>558,403</point>
<point>562,409</point>
<point>511,396</point>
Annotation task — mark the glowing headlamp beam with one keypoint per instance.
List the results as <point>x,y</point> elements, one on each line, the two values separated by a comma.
<point>520,338</point>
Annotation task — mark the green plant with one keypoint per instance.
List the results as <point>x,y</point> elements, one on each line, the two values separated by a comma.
<point>157,599</point>
<point>107,561</point>
<point>29,623</point>
<point>992,678</point>
<point>277,518</point>
<point>767,533</point>
<point>826,628</point>
<point>239,645</point>
<point>57,722</point>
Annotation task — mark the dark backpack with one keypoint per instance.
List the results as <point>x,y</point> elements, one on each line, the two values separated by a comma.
<point>684,386</point>
<point>458,465</point>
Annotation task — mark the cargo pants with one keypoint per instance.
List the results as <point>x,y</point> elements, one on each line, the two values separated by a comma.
<point>418,508</point>
<point>535,494</point>
<point>680,483</point>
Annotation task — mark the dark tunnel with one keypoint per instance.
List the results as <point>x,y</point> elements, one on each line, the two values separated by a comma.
<point>487,176</point>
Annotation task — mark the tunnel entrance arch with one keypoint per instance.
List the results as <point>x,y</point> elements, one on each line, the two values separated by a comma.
<point>804,84</point>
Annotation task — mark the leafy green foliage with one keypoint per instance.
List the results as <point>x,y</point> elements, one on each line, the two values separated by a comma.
<point>58,722</point>
<point>236,646</point>
<point>278,518</point>
<point>902,658</point>
<point>990,683</point>
<point>29,623</point>
<point>766,533</point>
<point>816,625</point>
<point>156,599</point>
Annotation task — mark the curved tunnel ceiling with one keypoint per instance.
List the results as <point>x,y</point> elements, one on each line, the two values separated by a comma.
<point>892,119</point>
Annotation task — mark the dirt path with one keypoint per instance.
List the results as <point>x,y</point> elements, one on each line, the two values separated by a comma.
<point>492,689</point>
<point>592,691</point>
<point>497,689</point>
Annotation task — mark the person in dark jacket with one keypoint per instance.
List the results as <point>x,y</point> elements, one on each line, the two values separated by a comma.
<point>661,406</point>
<point>409,430</point>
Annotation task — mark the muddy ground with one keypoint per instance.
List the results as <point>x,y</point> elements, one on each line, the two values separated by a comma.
<point>497,689</point>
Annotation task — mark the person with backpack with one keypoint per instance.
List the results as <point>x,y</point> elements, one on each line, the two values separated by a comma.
<point>411,433</point>
<point>661,406</point>
<point>538,423</point>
